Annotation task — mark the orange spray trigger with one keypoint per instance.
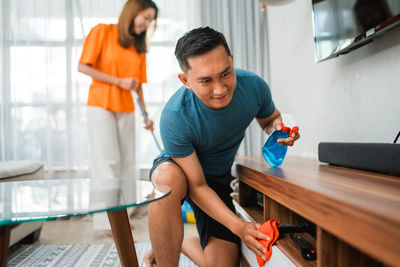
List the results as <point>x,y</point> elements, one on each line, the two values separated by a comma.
<point>295,129</point>
<point>284,128</point>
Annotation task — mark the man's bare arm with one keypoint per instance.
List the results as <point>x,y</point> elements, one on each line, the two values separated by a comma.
<point>211,204</point>
<point>270,123</point>
<point>273,122</point>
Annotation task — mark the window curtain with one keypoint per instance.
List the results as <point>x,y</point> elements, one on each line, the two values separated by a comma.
<point>245,28</point>
<point>43,97</point>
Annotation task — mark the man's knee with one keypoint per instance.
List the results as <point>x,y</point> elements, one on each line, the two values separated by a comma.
<point>170,174</point>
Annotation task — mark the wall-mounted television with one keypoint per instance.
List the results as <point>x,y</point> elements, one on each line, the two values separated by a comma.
<point>341,26</point>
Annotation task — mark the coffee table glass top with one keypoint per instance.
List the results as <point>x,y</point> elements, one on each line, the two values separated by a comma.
<point>41,200</point>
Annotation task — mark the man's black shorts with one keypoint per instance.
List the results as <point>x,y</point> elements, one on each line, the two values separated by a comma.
<point>206,226</point>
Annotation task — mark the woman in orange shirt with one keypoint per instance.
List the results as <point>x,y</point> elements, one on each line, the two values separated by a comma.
<point>115,57</point>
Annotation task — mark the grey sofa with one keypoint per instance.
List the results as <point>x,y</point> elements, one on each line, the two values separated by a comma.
<point>17,171</point>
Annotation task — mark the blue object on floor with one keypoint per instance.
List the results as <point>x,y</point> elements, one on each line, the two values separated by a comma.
<point>187,213</point>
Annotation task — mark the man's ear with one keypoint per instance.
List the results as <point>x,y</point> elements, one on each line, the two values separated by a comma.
<point>184,80</point>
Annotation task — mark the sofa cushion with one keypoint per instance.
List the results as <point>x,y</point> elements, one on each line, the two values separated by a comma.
<point>18,167</point>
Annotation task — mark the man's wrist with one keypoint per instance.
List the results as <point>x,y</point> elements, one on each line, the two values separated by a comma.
<point>236,226</point>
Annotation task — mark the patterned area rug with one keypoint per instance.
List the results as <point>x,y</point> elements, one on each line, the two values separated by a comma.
<point>76,255</point>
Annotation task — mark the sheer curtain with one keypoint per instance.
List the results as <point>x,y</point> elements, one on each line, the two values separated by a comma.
<point>43,97</point>
<point>245,28</point>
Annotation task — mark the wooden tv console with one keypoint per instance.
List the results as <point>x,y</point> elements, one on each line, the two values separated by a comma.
<point>356,214</point>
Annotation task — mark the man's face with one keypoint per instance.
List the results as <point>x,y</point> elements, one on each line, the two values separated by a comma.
<point>211,77</point>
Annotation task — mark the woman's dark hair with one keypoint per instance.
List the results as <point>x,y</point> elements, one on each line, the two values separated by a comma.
<point>198,42</point>
<point>126,34</point>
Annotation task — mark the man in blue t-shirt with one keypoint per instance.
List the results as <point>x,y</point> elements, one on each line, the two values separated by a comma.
<point>202,126</point>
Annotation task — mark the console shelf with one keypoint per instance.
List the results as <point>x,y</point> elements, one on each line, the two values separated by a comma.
<point>356,213</point>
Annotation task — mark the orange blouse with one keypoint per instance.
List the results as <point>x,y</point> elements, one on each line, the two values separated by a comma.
<point>102,51</point>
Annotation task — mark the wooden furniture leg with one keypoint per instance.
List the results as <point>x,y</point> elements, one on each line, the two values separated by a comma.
<point>4,243</point>
<point>123,238</point>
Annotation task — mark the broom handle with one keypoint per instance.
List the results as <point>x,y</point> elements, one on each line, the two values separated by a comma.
<point>146,119</point>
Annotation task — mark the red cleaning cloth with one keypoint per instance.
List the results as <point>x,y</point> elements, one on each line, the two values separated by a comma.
<point>270,228</point>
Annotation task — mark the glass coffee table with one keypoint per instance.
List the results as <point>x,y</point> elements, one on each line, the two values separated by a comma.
<point>43,200</point>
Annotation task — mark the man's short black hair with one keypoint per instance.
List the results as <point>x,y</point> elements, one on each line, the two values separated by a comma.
<point>198,42</point>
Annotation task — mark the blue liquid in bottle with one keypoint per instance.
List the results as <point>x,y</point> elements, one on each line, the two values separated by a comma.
<point>273,152</point>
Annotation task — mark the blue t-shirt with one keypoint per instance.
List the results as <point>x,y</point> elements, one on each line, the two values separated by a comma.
<point>187,124</point>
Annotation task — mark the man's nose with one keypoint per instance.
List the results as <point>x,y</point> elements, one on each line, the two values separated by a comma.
<point>219,89</point>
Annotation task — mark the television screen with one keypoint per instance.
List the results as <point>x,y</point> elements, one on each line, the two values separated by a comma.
<point>343,25</point>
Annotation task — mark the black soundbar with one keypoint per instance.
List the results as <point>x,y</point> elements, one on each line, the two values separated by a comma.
<point>376,157</point>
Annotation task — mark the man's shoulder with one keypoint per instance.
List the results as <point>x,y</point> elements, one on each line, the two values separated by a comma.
<point>243,74</point>
<point>179,100</point>
<point>247,79</point>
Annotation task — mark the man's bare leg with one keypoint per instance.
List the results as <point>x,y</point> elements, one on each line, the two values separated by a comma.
<point>191,247</point>
<point>165,216</point>
<point>220,252</point>
<point>149,259</point>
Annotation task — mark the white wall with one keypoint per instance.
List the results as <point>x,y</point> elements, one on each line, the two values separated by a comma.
<point>351,98</point>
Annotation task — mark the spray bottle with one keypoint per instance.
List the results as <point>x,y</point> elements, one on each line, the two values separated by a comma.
<point>273,152</point>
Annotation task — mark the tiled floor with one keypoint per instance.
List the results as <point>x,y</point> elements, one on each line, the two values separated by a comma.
<point>79,230</point>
